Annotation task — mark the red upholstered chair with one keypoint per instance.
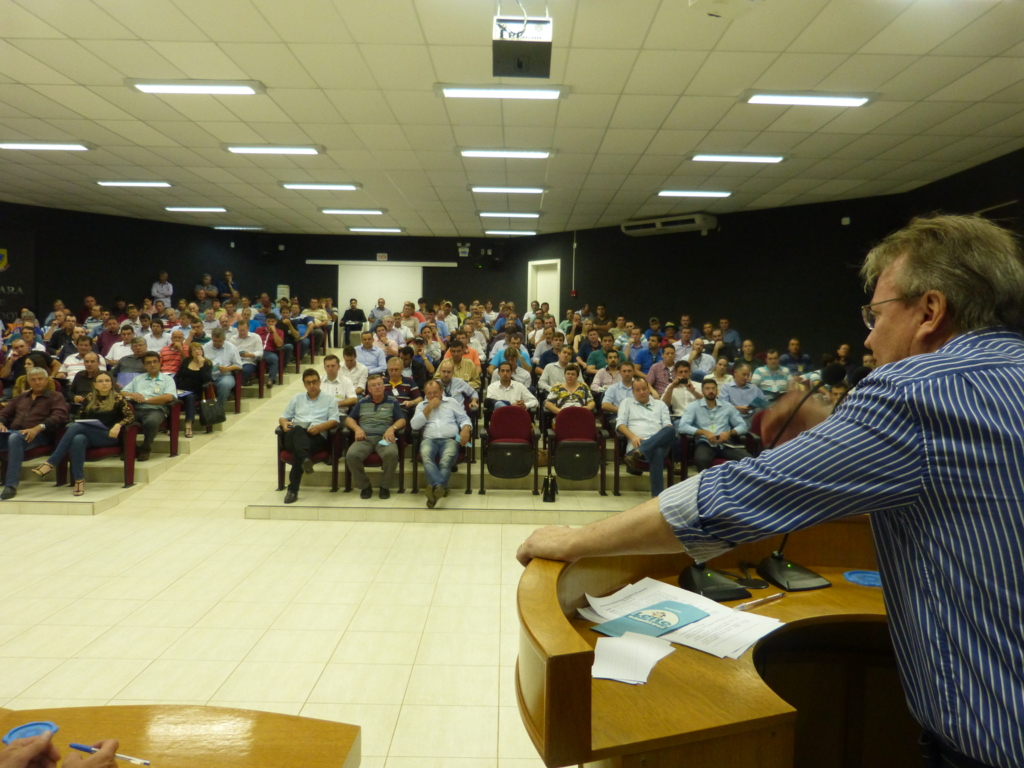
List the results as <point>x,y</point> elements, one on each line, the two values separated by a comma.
<point>621,448</point>
<point>508,447</point>
<point>173,425</point>
<point>125,451</point>
<point>465,457</point>
<point>330,456</point>
<point>238,391</point>
<point>576,447</point>
<point>261,376</point>
<point>373,460</point>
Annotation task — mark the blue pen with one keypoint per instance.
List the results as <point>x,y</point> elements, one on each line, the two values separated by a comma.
<point>90,750</point>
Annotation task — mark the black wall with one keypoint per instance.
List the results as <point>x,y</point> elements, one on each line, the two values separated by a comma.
<point>775,272</point>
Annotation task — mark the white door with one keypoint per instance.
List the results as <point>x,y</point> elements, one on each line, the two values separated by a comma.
<point>544,283</point>
<point>395,283</point>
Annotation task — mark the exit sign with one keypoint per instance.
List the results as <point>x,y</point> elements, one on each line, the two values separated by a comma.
<point>382,257</point>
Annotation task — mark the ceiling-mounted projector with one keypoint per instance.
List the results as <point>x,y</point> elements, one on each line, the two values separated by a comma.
<point>521,46</point>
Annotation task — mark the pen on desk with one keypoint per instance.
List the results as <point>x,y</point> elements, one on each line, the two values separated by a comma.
<point>762,601</point>
<point>126,758</point>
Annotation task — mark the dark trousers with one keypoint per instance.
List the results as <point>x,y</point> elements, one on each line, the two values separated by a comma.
<point>937,755</point>
<point>150,417</point>
<point>705,453</point>
<point>301,445</point>
<point>16,445</point>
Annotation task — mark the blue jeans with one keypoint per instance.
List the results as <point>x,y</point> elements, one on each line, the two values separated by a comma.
<point>272,362</point>
<point>655,450</point>
<point>248,371</point>
<point>77,439</point>
<point>16,445</point>
<point>438,455</point>
<point>189,400</point>
<point>225,385</point>
<point>289,350</point>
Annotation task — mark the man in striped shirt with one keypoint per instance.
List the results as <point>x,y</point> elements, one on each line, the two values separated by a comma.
<point>931,443</point>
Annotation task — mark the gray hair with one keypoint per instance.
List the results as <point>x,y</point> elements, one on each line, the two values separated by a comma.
<point>217,333</point>
<point>137,340</point>
<point>37,371</point>
<point>976,264</point>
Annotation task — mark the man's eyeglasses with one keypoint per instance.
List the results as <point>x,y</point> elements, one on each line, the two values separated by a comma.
<point>868,314</point>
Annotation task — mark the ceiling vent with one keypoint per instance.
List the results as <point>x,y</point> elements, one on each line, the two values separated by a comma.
<point>690,222</point>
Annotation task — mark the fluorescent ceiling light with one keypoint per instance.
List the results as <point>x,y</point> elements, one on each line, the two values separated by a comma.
<point>352,211</point>
<point>244,229</point>
<point>209,87</point>
<point>133,183</point>
<point>691,193</point>
<point>509,190</point>
<point>335,187</point>
<point>499,92</point>
<point>510,215</point>
<point>42,145</point>
<point>737,159</point>
<point>375,229</point>
<point>808,100</point>
<point>193,209</point>
<point>273,150</point>
<point>509,153</point>
<point>508,232</point>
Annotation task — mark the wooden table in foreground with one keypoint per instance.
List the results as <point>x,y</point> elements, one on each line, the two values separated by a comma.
<point>699,710</point>
<point>202,737</point>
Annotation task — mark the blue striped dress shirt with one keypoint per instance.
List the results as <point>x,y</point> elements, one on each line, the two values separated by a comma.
<point>933,447</point>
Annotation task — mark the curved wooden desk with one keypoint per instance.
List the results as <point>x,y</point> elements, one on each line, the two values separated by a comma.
<point>695,708</point>
<point>191,736</point>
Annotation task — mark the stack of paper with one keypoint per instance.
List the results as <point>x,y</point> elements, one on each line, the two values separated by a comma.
<point>724,633</point>
<point>630,658</point>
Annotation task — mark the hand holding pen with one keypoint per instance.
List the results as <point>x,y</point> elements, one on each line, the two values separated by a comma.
<point>102,754</point>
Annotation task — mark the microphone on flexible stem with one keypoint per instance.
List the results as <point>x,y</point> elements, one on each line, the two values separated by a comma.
<point>776,569</point>
<point>855,378</point>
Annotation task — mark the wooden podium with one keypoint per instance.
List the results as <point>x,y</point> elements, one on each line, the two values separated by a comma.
<point>191,736</point>
<point>832,660</point>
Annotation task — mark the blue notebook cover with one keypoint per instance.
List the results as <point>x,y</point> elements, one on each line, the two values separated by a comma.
<point>654,620</point>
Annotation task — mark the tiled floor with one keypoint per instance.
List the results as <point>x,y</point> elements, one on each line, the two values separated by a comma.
<point>174,597</point>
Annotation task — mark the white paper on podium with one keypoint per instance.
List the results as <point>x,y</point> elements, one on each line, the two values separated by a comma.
<point>630,658</point>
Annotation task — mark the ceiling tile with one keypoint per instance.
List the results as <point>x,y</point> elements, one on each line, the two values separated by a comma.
<point>769,26</point>
<point>668,143</point>
<point>774,142</point>
<point>362,106</point>
<point>989,78</point>
<point>232,132</point>
<point>430,137</point>
<point>725,141</point>
<point>927,75</point>
<point>205,61</point>
<point>258,109</point>
<point>237,21</point>
<point>570,163</point>
<point>305,21</point>
<point>185,133</point>
<point>526,137</point>
<point>1011,127</point>
<point>82,20</point>
<point>651,164</point>
<point>273,64</point>
<point>865,119</point>
<point>867,147</point>
<point>200,108</point>
<point>683,27</point>
<point>844,27</point>
<point>18,22</point>
<point>799,71</point>
<point>334,66</point>
<point>626,140</point>
<point>698,112</point>
<point>614,164</point>
<point>609,24</point>
<point>920,117</point>
<point>531,113</point>
<point>975,118</point>
<point>72,60</point>
<point>138,132</point>
<point>1000,28</point>
<point>306,105</point>
<point>417,108</point>
<point>462,64</point>
<point>917,147</point>
<point>381,22</point>
<point>473,112</point>
<point>806,118</point>
<point>25,68</point>
<point>966,149</point>
<point>864,74</point>
<point>282,133</point>
<point>750,117</point>
<point>664,72</point>
<point>83,101</point>
<point>441,26</point>
<point>727,73</point>
<point>923,26</point>
<point>599,71</point>
<point>478,136</point>
<point>400,67</point>
<point>32,102</point>
<point>583,110</point>
<point>634,111</point>
<point>33,128</point>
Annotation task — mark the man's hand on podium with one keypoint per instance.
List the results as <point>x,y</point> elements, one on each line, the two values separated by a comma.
<point>552,542</point>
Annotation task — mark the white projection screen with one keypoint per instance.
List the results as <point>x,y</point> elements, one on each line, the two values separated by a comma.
<point>396,283</point>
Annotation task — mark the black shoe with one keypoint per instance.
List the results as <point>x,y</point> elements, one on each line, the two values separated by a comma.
<point>9,493</point>
<point>440,491</point>
<point>385,493</point>
<point>632,462</point>
<point>270,385</point>
<point>142,456</point>
<point>291,497</point>
<point>307,466</point>
<point>366,493</point>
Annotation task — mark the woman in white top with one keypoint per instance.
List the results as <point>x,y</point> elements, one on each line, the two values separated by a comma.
<point>721,372</point>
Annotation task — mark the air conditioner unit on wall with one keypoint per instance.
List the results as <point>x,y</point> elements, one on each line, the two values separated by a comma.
<point>689,222</point>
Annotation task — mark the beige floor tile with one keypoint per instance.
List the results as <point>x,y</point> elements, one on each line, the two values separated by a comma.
<point>21,674</point>
<point>95,612</point>
<point>207,644</point>
<point>445,648</point>
<point>9,631</point>
<point>228,615</point>
<point>507,687</point>
<point>453,686</point>
<point>472,556</point>
<point>346,573</point>
<point>167,613</point>
<point>178,680</point>
<point>376,721</point>
<point>332,593</point>
<point>409,573</point>
<point>315,616</point>
<point>131,643</point>
<point>410,555</point>
<point>440,762</point>
<point>470,574</point>
<point>483,619</point>
<point>67,585</point>
<point>475,536</point>
<point>290,645</point>
<point>377,648</point>
<point>432,731</point>
<point>362,684</point>
<point>30,610</point>
<point>425,535</point>
<point>280,707</point>
<point>344,554</point>
<point>87,678</point>
<point>389,593</point>
<point>375,618</point>
<point>466,595</point>
<point>270,681</point>
<point>190,588</point>
<point>44,641</point>
<point>26,703</point>
<point>513,741</point>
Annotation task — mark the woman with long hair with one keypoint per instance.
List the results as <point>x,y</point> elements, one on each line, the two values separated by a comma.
<point>104,414</point>
<point>193,375</point>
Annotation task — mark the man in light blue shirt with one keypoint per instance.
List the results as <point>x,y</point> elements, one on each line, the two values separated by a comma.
<point>742,395</point>
<point>716,425</point>
<point>151,392</point>
<point>701,363</point>
<point>646,423</point>
<point>370,356</point>
<point>620,390</point>
<point>225,360</point>
<point>445,427</point>
<point>378,313</point>
<point>306,420</point>
<point>730,335</point>
<point>773,379</point>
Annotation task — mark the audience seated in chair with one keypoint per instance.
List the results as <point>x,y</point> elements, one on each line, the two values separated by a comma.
<point>741,394</point>
<point>273,342</point>
<point>353,370</point>
<point>152,393</point>
<point>455,387</point>
<point>773,379</point>
<point>250,352</point>
<point>132,363</point>
<point>608,375</point>
<point>645,422</point>
<point>505,391</point>
<point>375,421</point>
<point>338,386</point>
<point>76,391</point>
<point>27,422</point>
<point>715,425</point>
<point>306,420</point>
<point>446,428</point>
<point>463,367</point>
<point>571,393</point>
<point>681,391</point>
<point>370,356</point>
<point>660,374</point>
<point>104,405</point>
<point>225,360</point>
<point>402,388</point>
<point>554,373</point>
<point>620,391</point>
<point>193,376</point>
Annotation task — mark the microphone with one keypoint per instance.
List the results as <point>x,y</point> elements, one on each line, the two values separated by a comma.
<point>776,569</point>
<point>858,374</point>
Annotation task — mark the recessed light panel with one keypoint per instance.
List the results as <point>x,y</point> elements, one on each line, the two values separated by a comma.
<point>512,232</point>
<point>691,193</point>
<point>510,215</point>
<point>808,100</point>
<point>35,146</point>
<point>352,211</point>
<point>737,159</point>
<point>331,187</point>
<point>508,190</point>
<point>133,183</point>
<point>194,87</point>
<point>194,209</point>
<point>499,92</point>
<point>274,150</point>
<point>377,230</point>
<point>512,154</point>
